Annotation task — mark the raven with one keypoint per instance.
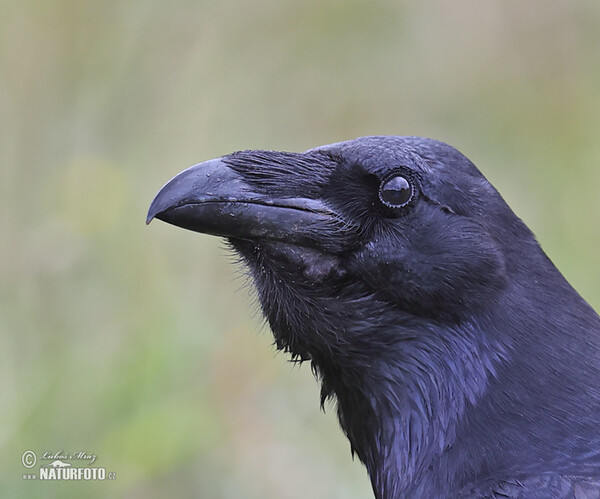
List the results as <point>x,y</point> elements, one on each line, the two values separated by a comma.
<point>462,362</point>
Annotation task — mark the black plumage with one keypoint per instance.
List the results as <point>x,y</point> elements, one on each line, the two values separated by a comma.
<point>462,362</point>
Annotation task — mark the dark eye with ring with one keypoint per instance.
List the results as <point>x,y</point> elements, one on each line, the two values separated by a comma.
<point>396,192</point>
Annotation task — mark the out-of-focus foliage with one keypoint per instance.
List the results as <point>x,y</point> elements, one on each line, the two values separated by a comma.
<point>132,342</point>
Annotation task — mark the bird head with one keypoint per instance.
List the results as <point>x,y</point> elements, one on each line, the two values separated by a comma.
<point>408,221</point>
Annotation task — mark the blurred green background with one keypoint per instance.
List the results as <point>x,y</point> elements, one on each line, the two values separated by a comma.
<point>137,343</point>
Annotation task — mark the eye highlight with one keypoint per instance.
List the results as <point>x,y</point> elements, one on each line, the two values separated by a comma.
<point>396,191</point>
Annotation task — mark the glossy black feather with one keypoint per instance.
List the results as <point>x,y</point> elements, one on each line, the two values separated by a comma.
<point>463,364</point>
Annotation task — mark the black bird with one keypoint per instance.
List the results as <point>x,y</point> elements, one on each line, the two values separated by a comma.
<point>462,362</point>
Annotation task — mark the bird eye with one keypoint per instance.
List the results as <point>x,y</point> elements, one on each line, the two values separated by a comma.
<point>395,192</point>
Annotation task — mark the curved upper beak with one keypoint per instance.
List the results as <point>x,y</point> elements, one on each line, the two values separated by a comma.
<point>214,199</point>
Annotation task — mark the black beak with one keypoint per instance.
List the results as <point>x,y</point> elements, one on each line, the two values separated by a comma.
<point>214,199</point>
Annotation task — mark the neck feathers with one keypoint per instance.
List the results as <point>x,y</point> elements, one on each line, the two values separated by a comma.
<point>402,412</point>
